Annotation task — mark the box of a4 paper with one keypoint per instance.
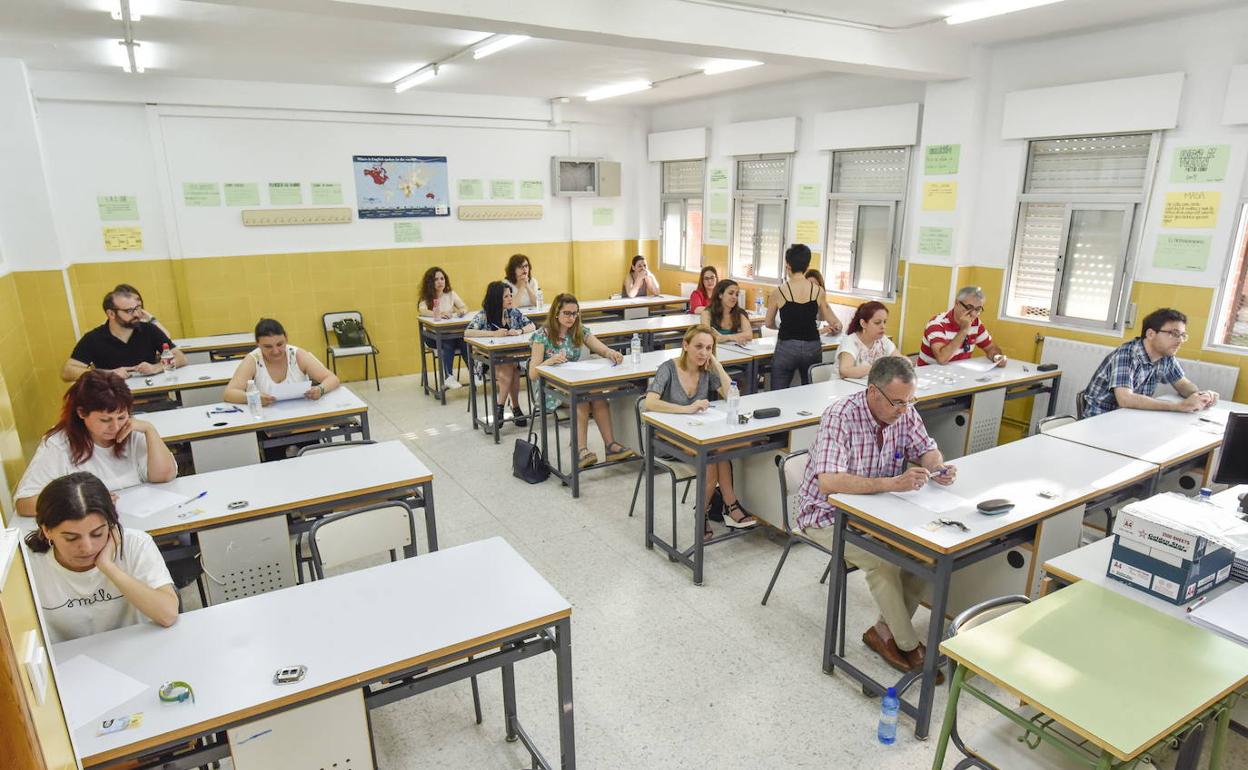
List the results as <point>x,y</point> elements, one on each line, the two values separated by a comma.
<point>1165,562</point>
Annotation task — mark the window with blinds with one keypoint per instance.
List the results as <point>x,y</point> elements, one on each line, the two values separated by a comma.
<point>760,208</point>
<point>680,221</point>
<point>864,220</point>
<point>1232,325</point>
<point>1077,220</point>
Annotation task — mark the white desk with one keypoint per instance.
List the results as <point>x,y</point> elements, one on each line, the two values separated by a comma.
<point>193,423</point>
<point>208,375</point>
<point>351,631</point>
<point>894,529</point>
<point>203,349</point>
<point>703,439</point>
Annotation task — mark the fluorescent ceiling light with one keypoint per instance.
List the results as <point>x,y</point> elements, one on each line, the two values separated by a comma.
<point>131,52</point>
<point>422,75</point>
<point>987,8</point>
<point>720,66</point>
<point>498,43</point>
<point>619,89</point>
<point>134,11</point>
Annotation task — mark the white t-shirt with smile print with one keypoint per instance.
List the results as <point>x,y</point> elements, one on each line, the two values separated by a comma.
<point>83,603</point>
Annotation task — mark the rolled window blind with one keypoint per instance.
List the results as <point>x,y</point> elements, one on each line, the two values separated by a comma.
<point>682,177</point>
<point>762,174</point>
<point>870,171</point>
<point>1090,164</point>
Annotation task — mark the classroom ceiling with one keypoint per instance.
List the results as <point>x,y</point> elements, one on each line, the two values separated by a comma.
<point>303,41</point>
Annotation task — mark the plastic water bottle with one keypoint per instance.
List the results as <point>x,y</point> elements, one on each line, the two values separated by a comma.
<point>889,706</point>
<point>540,301</point>
<point>734,402</point>
<point>634,349</point>
<point>758,303</point>
<point>253,399</point>
<point>168,362</point>
<point>1206,496</point>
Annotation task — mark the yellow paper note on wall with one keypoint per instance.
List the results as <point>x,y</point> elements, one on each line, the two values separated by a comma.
<point>123,239</point>
<point>807,232</point>
<point>1191,209</point>
<point>940,196</point>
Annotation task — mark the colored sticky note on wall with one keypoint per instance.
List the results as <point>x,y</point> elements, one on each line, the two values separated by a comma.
<point>242,194</point>
<point>717,230</point>
<point>532,189</point>
<point>718,178</point>
<point>117,208</point>
<point>471,190</point>
<point>201,194</point>
<point>1191,209</point>
<point>1206,163</point>
<point>326,193</point>
<point>939,159</point>
<point>604,216</point>
<point>408,232</point>
<point>719,203</point>
<point>940,196</point>
<point>936,241</point>
<point>502,188</point>
<point>286,193</point>
<point>807,232</point>
<point>1182,252</point>
<point>808,195</point>
<point>123,239</point>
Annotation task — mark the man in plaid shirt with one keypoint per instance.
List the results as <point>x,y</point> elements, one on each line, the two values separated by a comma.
<point>1128,376</point>
<point>863,446</point>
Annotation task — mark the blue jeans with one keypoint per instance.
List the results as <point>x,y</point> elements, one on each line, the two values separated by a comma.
<point>447,353</point>
<point>794,356</point>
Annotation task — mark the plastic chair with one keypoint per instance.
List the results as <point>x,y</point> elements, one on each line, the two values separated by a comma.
<point>824,372</point>
<point>677,470</point>
<point>791,478</point>
<point>1053,423</point>
<point>373,529</point>
<point>334,352</point>
<point>537,405</point>
<point>300,528</point>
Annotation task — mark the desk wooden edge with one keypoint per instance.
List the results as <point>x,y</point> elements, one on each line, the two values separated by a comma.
<point>231,430</point>
<point>224,721</point>
<point>172,387</point>
<point>195,525</point>
<point>985,387</point>
<point>790,426</point>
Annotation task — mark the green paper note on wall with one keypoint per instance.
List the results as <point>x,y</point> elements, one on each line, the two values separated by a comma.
<point>808,195</point>
<point>717,230</point>
<point>407,232</point>
<point>936,241</point>
<point>242,194</point>
<point>502,188</point>
<point>719,178</point>
<point>532,189</point>
<point>471,189</point>
<point>604,217</point>
<point>1182,252</point>
<point>719,203</point>
<point>201,194</point>
<point>326,193</point>
<point>939,159</point>
<point>1200,164</point>
<point>117,208</point>
<point>286,193</point>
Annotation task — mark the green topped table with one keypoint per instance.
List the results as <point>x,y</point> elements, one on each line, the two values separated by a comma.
<point>1120,674</point>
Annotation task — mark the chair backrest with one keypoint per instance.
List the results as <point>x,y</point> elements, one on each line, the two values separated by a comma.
<point>1056,421</point>
<point>331,446</point>
<point>985,611</point>
<point>329,319</point>
<point>245,559</point>
<point>1081,404</point>
<point>824,372</point>
<point>354,534</point>
<point>791,467</point>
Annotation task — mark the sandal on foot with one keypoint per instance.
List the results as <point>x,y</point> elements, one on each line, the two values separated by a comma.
<point>617,451</point>
<point>586,458</point>
<point>746,521</point>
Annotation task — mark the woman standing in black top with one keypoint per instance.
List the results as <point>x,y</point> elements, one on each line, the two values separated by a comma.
<point>800,304</point>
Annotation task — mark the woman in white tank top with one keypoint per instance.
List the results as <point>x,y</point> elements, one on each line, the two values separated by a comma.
<point>273,362</point>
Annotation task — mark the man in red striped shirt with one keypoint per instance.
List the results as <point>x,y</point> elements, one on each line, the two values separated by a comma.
<point>953,335</point>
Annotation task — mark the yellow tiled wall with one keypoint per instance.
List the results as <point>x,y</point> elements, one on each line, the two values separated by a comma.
<point>154,277</point>
<point>926,293</point>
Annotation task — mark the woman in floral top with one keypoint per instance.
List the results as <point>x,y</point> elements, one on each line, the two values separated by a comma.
<point>562,338</point>
<point>499,318</point>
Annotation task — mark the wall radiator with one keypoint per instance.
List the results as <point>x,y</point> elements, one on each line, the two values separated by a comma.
<point>1078,360</point>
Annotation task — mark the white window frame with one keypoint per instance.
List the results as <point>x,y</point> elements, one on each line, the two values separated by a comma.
<point>1225,296</point>
<point>896,203</point>
<point>1136,203</point>
<point>757,198</point>
<point>665,197</point>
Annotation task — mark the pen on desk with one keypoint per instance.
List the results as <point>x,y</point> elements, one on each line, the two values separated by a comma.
<point>193,499</point>
<point>1196,604</point>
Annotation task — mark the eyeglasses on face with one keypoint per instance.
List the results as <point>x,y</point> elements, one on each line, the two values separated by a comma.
<point>1178,335</point>
<point>569,313</point>
<point>129,309</point>
<point>972,309</point>
<point>899,403</point>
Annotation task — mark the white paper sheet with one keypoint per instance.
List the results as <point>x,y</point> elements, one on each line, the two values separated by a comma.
<point>593,365</point>
<point>96,689</point>
<point>932,498</point>
<point>979,367</point>
<point>288,391</point>
<point>1226,615</point>
<point>142,501</point>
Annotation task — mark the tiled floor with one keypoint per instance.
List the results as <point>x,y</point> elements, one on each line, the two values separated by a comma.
<point>667,675</point>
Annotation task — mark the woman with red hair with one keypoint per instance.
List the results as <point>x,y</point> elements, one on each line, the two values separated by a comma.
<point>97,434</point>
<point>864,342</point>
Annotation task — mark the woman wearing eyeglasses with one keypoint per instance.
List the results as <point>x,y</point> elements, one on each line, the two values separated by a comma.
<point>499,318</point>
<point>562,338</point>
<point>954,334</point>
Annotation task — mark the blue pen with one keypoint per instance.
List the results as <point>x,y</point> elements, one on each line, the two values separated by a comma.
<point>193,499</point>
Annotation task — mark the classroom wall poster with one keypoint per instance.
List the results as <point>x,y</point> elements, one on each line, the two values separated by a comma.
<point>936,241</point>
<point>502,188</point>
<point>1182,252</point>
<point>201,194</point>
<point>117,208</point>
<point>242,193</point>
<point>123,239</point>
<point>941,159</point>
<point>717,230</point>
<point>286,193</point>
<point>408,232</point>
<point>388,186</point>
<point>718,178</point>
<point>326,193</point>
<point>807,195</point>
<point>604,217</point>
<point>940,196</point>
<point>1206,163</point>
<point>532,189</point>
<point>807,231</point>
<point>1194,210</point>
<point>471,189</point>
<point>719,203</point>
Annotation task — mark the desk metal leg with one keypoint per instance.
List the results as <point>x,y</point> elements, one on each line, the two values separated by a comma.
<point>576,443</point>
<point>472,383</point>
<point>364,431</point>
<point>935,632</point>
<point>951,715</point>
<point>1057,382</point>
<point>439,376</point>
<point>836,584</point>
<point>648,446</point>
<point>431,522</point>
<point>1219,737</point>
<point>563,658</point>
<point>699,518</point>
<point>509,700</point>
<point>424,373</point>
<point>492,406</point>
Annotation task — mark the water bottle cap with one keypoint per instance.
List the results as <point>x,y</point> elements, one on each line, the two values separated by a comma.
<point>1205,491</point>
<point>892,692</point>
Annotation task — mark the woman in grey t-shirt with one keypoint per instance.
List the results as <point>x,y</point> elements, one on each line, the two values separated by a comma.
<point>683,386</point>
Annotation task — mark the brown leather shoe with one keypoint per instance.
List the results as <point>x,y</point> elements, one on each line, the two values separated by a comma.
<point>917,657</point>
<point>886,650</point>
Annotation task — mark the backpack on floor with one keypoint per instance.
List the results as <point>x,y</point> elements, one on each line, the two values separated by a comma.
<point>527,462</point>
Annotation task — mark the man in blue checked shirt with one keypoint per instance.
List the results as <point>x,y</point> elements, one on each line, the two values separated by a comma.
<point>1128,377</point>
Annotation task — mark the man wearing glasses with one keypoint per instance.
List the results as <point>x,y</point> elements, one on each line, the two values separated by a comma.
<point>953,335</point>
<point>1128,376</point>
<point>863,446</point>
<point>124,343</point>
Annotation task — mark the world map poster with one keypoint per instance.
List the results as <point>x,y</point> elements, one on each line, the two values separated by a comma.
<point>388,186</point>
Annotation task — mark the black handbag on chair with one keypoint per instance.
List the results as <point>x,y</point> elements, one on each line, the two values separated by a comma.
<point>527,462</point>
